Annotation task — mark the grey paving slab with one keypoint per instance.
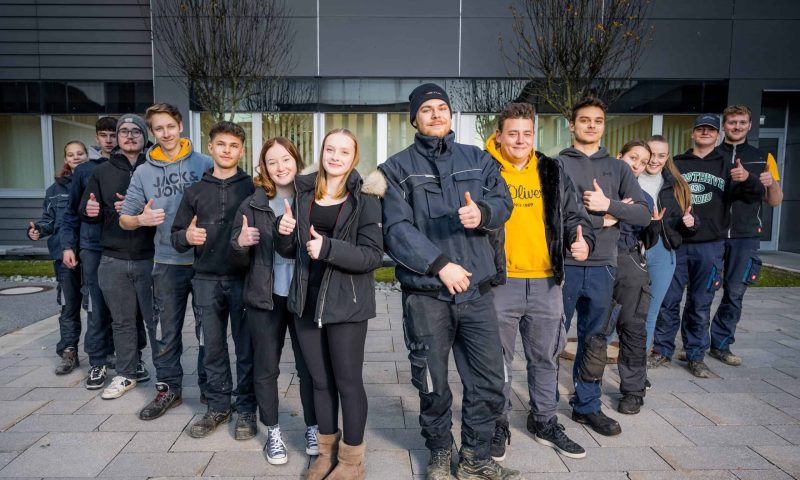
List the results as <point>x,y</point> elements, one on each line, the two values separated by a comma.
<point>577,476</point>
<point>712,458</point>
<point>682,416</point>
<point>791,433</point>
<point>17,441</point>
<point>124,422</point>
<point>732,435</point>
<point>740,385</point>
<point>12,393</point>
<point>53,393</point>
<point>646,428</point>
<point>184,464</point>
<point>761,475</point>
<point>388,464</point>
<point>80,454</point>
<point>6,457</point>
<point>59,407</point>
<point>683,475</point>
<point>59,423</point>
<point>786,458</point>
<point>12,412</point>
<point>43,375</point>
<point>253,464</point>
<point>151,442</point>
<point>736,409</point>
<point>617,460</point>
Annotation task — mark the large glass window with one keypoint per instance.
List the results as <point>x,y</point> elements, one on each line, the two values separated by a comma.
<point>245,120</point>
<point>297,127</point>
<point>67,128</point>
<point>677,129</point>
<point>620,129</point>
<point>365,128</point>
<point>400,133</point>
<point>485,126</point>
<point>552,134</point>
<point>21,164</point>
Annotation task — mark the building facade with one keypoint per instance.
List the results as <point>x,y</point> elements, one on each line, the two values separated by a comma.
<point>65,63</point>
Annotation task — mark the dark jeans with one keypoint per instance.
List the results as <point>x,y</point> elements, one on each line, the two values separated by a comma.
<point>335,358</point>
<point>268,331</point>
<point>128,289</point>
<point>214,301</point>
<point>587,290</point>
<point>742,268</point>
<point>70,298</point>
<point>98,343</point>
<point>432,328</point>
<point>172,285</point>
<point>698,268</point>
<point>632,293</point>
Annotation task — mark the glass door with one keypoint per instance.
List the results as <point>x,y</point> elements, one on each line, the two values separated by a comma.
<point>771,141</point>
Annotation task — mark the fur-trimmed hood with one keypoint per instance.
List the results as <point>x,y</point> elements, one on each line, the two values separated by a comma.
<point>373,184</point>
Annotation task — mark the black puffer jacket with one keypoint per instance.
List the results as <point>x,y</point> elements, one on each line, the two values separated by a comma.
<point>563,212</point>
<point>671,227</point>
<point>258,279</point>
<point>347,293</point>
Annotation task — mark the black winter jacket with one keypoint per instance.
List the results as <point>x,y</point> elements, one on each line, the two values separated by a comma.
<point>426,184</point>
<point>107,180</point>
<point>56,202</point>
<point>671,228</point>
<point>347,293</point>
<point>745,217</point>
<point>258,280</point>
<point>75,234</point>
<point>563,212</point>
<point>215,202</point>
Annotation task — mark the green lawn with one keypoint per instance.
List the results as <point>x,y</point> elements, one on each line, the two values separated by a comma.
<point>26,268</point>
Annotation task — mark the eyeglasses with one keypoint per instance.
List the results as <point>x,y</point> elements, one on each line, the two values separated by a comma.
<point>135,133</point>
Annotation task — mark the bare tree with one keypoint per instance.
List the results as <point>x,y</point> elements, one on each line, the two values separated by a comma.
<point>571,48</point>
<point>222,50</point>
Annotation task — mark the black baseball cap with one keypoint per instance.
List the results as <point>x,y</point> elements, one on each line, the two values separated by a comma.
<point>707,120</point>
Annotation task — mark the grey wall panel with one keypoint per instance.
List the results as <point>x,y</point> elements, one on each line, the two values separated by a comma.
<point>396,47</point>
<point>15,48</point>
<point>109,10</point>
<point>17,35</point>
<point>480,54</point>
<point>484,9</point>
<point>775,9</point>
<point>789,239</point>
<point>99,35</point>
<point>688,49</point>
<point>99,48</point>
<point>19,73</point>
<point>17,23</point>
<point>99,73</point>
<point>111,24</point>
<point>17,10</point>
<point>302,8</point>
<point>693,9</point>
<point>94,61</point>
<point>757,54</point>
<point>14,61</point>
<point>304,48</point>
<point>390,8</point>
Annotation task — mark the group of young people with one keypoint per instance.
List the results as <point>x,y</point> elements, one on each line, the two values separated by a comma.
<point>487,244</point>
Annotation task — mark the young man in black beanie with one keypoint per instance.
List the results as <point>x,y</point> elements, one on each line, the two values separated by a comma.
<point>442,200</point>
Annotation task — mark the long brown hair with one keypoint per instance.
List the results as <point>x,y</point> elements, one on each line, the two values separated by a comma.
<point>682,193</point>
<point>262,178</point>
<point>321,187</point>
<point>66,170</point>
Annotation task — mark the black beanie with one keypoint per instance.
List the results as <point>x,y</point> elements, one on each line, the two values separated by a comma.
<point>423,93</point>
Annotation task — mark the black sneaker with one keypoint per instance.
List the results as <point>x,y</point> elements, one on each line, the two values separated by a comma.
<point>655,360</point>
<point>97,378</point>
<point>599,422</point>
<point>208,423</point>
<point>471,468</point>
<point>647,384</point>
<point>502,437</point>
<point>245,426</point>
<point>552,434</point>
<point>439,464</point>
<point>165,399</point>
<point>630,404</point>
<point>69,361</point>
<point>699,369</point>
<point>142,375</point>
<point>724,356</point>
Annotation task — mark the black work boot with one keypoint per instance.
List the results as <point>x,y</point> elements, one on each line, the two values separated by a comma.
<point>165,399</point>
<point>208,423</point>
<point>69,361</point>
<point>439,464</point>
<point>472,468</point>
<point>630,404</point>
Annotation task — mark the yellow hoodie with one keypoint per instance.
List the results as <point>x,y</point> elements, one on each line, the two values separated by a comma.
<point>526,245</point>
<point>158,153</point>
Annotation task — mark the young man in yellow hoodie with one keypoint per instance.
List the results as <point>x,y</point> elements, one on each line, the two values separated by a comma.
<point>547,220</point>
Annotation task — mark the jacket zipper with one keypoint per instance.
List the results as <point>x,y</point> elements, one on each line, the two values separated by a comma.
<point>730,207</point>
<point>352,284</point>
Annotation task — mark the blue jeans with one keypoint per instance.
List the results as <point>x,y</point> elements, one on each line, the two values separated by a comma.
<point>98,342</point>
<point>698,269</point>
<point>172,285</point>
<point>587,290</point>
<point>214,301</point>
<point>70,299</point>
<point>742,267</point>
<point>661,267</point>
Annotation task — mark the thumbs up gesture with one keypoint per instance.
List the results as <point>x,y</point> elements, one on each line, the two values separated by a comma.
<point>33,232</point>
<point>249,236</point>
<point>287,224</point>
<point>92,206</point>
<point>151,217</point>
<point>739,173</point>
<point>688,218</point>
<point>469,214</point>
<point>766,177</point>
<point>658,215</point>
<point>314,246</point>
<point>595,200</point>
<point>194,234</point>
<point>119,202</point>
<point>579,248</point>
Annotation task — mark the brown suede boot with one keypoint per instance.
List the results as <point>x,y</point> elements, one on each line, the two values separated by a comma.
<point>351,463</point>
<point>328,450</point>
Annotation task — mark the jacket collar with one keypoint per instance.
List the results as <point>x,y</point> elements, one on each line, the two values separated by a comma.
<point>433,147</point>
<point>259,199</point>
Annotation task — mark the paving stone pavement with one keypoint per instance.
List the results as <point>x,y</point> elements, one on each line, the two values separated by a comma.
<point>744,424</point>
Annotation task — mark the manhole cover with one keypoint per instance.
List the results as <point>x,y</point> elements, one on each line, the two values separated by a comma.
<point>26,290</point>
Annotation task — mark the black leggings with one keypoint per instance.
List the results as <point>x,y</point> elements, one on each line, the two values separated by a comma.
<point>334,355</point>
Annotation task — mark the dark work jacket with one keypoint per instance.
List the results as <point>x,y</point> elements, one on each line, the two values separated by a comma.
<point>630,235</point>
<point>75,234</point>
<point>56,202</point>
<point>347,292</point>
<point>215,202</point>
<point>426,184</point>
<point>258,280</point>
<point>745,217</point>
<point>671,227</point>
<point>563,212</point>
<point>713,192</point>
<point>107,180</point>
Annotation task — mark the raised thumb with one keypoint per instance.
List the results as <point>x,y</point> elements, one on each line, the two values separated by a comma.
<point>120,196</point>
<point>314,233</point>
<point>596,186</point>
<point>579,234</point>
<point>32,225</point>
<point>149,203</point>
<point>738,163</point>
<point>287,209</point>
<point>689,210</point>
<point>194,221</point>
<point>467,198</point>
<point>244,222</point>
<point>92,197</point>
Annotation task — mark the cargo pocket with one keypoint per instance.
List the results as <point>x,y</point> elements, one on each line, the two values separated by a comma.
<point>435,199</point>
<point>752,272</point>
<point>420,376</point>
<point>469,181</point>
<point>714,279</point>
<point>643,307</point>
<point>593,362</point>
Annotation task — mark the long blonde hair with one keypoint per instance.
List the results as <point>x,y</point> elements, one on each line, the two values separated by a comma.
<point>682,193</point>
<point>321,187</point>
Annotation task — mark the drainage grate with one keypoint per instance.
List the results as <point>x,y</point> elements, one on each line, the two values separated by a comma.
<point>26,290</point>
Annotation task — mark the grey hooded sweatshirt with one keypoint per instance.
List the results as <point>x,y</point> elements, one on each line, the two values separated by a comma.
<point>617,182</point>
<point>165,182</point>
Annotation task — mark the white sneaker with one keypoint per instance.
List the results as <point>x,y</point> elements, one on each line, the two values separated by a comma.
<point>118,386</point>
<point>312,447</point>
<point>276,449</point>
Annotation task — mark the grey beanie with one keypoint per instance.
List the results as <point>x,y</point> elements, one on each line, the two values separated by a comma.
<point>136,120</point>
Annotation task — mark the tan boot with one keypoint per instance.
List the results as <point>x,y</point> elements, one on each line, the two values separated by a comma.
<point>328,450</point>
<point>351,463</point>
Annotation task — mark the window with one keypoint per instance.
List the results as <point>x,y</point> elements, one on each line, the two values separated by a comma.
<point>297,127</point>
<point>552,134</point>
<point>21,164</point>
<point>677,129</point>
<point>67,128</point>
<point>620,129</point>
<point>244,120</point>
<point>400,133</point>
<point>365,127</point>
<point>485,126</point>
